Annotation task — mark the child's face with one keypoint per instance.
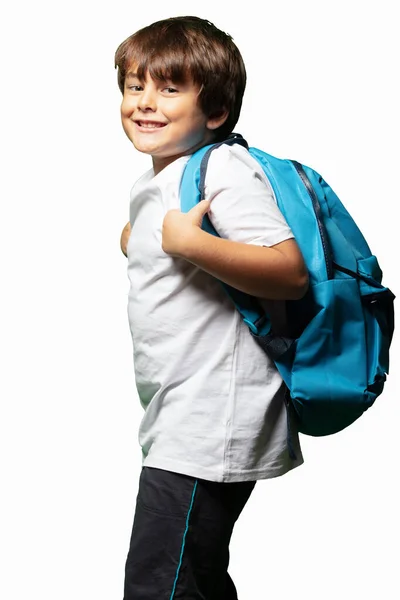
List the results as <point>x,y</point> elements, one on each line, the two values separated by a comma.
<point>164,119</point>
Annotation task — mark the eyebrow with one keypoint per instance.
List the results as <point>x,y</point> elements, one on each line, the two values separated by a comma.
<point>131,75</point>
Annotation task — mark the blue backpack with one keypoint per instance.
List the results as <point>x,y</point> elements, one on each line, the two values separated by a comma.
<point>336,359</point>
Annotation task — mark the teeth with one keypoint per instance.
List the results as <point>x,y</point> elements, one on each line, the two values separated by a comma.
<point>150,125</point>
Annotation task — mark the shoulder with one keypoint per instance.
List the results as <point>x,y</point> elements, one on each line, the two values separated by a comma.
<point>233,154</point>
<point>233,166</point>
<point>243,204</point>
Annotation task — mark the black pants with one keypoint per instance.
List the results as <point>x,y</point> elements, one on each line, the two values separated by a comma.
<point>179,548</point>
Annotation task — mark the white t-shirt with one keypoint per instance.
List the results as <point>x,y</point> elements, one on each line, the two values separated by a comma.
<point>213,400</point>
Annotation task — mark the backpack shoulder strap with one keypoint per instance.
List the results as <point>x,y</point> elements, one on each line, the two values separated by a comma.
<point>192,187</point>
<point>191,192</point>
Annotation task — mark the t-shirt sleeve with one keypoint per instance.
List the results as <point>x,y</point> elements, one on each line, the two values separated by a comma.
<point>243,205</point>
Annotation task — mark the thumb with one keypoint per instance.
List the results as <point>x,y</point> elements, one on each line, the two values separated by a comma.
<point>198,211</point>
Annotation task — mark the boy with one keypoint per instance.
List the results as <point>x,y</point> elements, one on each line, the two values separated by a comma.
<point>215,419</point>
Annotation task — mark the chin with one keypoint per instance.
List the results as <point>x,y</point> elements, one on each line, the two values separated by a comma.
<point>145,148</point>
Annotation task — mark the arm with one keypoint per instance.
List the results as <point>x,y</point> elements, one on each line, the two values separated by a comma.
<point>274,273</point>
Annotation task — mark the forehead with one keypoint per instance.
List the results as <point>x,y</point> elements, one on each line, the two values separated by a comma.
<point>159,67</point>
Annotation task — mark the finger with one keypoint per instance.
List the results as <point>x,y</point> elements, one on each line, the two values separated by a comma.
<point>200,209</point>
<point>125,237</point>
<point>123,245</point>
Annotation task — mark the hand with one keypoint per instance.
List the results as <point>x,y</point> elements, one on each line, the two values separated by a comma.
<point>125,237</point>
<point>180,229</point>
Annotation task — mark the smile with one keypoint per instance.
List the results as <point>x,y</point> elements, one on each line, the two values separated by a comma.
<point>149,124</point>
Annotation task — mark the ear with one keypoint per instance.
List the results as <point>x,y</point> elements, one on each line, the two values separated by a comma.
<point>217,119</point>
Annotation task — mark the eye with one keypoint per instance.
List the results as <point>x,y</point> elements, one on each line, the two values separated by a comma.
<point>170,90</point>
<point>135,88</point>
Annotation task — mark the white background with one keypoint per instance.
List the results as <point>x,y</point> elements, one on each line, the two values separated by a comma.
<point>322,88</point>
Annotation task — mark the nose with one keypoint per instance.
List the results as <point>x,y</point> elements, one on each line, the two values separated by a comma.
<point>147,99</point>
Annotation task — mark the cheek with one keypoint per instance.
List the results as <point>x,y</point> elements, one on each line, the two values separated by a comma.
<point>126,108</point>
<point>125,118</point>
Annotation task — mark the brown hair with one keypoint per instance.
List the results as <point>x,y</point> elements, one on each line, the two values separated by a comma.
<point>183,48</point>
